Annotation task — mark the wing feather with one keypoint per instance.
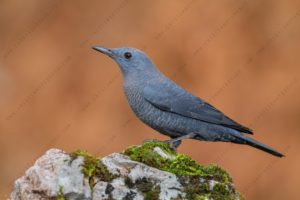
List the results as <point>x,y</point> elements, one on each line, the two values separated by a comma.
<point>176,100</point>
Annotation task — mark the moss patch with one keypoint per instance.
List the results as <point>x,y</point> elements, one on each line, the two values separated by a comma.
<point>145,154</point>
<point>179,165</point>
<point>93,167</point>
<point>60,195</point>
<point>200,191</point>
<point>220,191</point>
<point>194,177</point>
<point>149,190</point>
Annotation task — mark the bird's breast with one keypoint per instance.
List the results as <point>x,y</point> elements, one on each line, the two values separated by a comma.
<point>136,101</point>
<point>142,108</point>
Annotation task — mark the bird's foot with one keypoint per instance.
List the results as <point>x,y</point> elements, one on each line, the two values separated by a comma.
<point>175,142</point>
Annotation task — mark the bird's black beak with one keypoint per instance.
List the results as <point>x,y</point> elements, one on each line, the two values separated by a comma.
<point>103,50</point>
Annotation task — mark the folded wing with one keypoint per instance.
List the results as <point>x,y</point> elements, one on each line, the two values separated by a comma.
<point>176,100</point>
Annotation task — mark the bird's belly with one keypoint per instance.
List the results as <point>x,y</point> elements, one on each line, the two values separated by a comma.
<point>167,123</point>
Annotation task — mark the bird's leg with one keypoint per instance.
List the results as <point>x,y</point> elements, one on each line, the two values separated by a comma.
<point>175,142</point>
<point>151,140</point>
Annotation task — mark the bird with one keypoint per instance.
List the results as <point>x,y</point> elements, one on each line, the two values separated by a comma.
<point>170,109</point>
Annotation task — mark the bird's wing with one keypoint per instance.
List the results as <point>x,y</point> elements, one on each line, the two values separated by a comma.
<point>176,100</point>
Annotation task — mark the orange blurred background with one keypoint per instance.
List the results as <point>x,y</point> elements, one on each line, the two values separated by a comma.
<point>241,56</point>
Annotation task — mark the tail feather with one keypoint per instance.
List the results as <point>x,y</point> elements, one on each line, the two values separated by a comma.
<point>258,145</point>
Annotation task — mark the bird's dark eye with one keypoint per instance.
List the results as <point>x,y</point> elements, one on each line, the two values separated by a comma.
<point>127,55</point>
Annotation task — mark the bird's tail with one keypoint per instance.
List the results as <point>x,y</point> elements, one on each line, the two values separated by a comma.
<point>258,145</point>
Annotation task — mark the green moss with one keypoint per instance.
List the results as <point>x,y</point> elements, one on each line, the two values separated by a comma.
<point>179,164</point>
<point>90,165</point>
<point>201,192</point>
<point>149,190</point>
<point>145,153</point>
<point>203,197</point>
<point>60,195</point>
<point>152,194</point>
<point>220,188</point>
<point>186,169</point>
<point>93,167</point>
<point>217,173</point>
<point>196,190</point>
<point>220,191</point>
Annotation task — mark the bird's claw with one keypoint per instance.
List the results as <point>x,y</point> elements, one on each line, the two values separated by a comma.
<point>173,144</point>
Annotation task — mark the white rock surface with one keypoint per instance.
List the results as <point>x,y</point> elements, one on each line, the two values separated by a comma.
<point>167,182</point>
<point>49,174</point>
<point>162,153</point>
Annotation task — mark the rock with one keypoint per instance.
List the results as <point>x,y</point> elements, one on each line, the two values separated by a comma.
<point>151,171</point>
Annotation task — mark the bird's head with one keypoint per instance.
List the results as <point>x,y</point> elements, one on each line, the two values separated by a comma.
<point>130,60</point>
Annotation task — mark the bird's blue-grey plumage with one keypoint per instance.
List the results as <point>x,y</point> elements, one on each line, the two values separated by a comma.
<point>170,109</point>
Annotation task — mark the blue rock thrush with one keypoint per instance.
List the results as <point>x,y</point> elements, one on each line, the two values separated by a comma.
<point>170,109</point>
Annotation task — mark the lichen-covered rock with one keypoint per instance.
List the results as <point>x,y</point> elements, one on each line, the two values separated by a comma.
<point>53,174</point>
<point>150,171</point>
